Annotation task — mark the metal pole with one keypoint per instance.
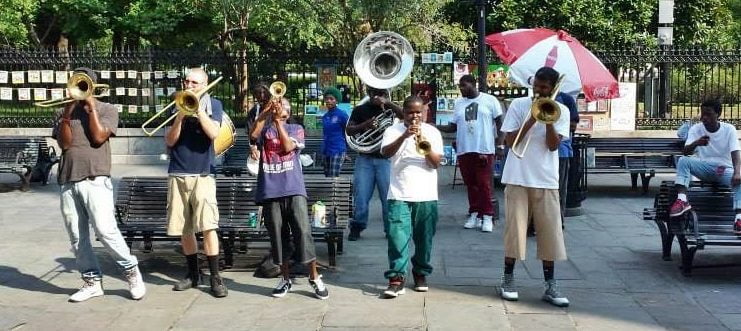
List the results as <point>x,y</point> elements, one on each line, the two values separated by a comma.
<point>483,65</point>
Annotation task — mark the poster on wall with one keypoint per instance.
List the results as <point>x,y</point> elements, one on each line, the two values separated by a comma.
<point>429,96</point>
<point>6,93</point>
<point>18,77</point>
<point>47,76</point>
<point>623,109</point>
<point>34,76</point>
<point>460,69</point>
<point>61,77</point>
<point>326,76</point>
<point>3,77</point>
<point>24,94</point>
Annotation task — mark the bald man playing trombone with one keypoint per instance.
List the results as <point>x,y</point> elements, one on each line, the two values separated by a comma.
<point>191,187</point>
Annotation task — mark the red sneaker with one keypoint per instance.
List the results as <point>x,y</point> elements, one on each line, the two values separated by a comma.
<point>737,227</point>
<point>678,208</point>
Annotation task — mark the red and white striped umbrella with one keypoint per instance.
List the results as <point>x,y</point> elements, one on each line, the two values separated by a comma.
<point>527,50</point>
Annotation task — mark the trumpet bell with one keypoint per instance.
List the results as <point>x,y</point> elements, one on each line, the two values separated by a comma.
<point>383,59</point>
<point>277,89</point>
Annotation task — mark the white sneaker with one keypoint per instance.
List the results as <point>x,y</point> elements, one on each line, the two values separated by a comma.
<point>553,296</point>
<point>90,288</point>
<point>136,283</point>
<point>507,289</point>
<point>473,221</point>
<point>488,224</point>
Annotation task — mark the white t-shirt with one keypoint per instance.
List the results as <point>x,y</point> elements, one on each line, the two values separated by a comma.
<point>412,179</point>
<point>538,167</point>
<point>721,144</point>
<point>474,120</point>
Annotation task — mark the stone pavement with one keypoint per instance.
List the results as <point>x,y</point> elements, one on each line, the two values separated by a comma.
<point>615,278</point>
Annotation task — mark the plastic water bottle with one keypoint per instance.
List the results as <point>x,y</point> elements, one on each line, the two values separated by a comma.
<point>319,210</point>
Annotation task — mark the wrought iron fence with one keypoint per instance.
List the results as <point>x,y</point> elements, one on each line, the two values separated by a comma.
<point>689,76</point>
<point>142,79</point>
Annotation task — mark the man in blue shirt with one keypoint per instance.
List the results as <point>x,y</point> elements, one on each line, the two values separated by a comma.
<point>565,152</point>
<point>191,189</point>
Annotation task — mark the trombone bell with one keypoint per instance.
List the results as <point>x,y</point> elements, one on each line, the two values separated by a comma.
<point>186,102</point>
<point>545,110</point>
<point>80,87</point>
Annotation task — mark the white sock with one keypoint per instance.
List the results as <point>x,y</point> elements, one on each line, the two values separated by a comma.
<point>682,196</point>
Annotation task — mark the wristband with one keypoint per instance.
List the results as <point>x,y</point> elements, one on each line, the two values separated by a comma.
<point>501,146</point>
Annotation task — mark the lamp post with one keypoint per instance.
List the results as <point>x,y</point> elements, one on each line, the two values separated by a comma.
<point>483,65</point>
<point>665,36</point>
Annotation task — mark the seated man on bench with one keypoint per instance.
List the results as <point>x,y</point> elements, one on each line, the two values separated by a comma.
<point>718,159</point>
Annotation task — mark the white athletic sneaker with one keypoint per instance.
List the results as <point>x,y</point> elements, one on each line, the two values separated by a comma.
<point>90,288</point>
<point>136,283</point>
<point>553,296</point>
<point>488,224</point>
<point>473,221</point>
<point>507,289</point>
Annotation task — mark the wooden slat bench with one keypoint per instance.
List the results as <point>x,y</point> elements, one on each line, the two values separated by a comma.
<point>709,223</point>
<point>636,156</point>
<point>28,157</point>
<point>141,211</point>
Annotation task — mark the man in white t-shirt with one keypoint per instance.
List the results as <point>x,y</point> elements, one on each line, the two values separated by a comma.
<point>532,188</point>
<point>718,159</point>
<point>477,120</point>
<point>412,197</point>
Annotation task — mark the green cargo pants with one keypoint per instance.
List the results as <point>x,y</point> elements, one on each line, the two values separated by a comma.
<point>410,221</point>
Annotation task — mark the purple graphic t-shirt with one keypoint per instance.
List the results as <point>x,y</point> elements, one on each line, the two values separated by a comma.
<point>280,172</point>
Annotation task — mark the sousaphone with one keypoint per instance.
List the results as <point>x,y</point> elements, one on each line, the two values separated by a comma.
<point>382,61</point>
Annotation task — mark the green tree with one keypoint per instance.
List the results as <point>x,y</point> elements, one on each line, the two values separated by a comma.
<point>16,17</point>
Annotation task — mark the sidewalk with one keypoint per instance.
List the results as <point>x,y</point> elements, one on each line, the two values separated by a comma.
<point>615,277</point>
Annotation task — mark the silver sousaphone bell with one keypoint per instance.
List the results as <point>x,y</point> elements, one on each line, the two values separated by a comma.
<point>382,61</point>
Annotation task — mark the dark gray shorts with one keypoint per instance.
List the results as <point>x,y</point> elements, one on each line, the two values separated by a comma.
<point>291,211</point>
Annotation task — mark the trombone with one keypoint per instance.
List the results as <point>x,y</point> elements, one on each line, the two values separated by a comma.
<point>80,87</point>
<point>185,101</point>
<point>545,110</point>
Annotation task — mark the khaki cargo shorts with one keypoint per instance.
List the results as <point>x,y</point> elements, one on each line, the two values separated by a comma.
<point>542,204</point>
<point>191,205</point>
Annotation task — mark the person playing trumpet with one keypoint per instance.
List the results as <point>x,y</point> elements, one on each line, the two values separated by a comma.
<point>415,150</point>
<point>282,194</point>
<point>191,187</point>
<point>83,129</point>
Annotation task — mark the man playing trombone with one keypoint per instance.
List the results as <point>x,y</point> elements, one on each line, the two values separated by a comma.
<point>531,176</point>
<point>191,189</point>
<point>82,131</point>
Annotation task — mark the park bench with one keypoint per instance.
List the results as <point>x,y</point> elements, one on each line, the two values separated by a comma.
<point>234,162</point>
<point>141,211</point>
<point>312,147</point>
<point>709,223</point>
<point>28,157</point>
<point>636,156</point>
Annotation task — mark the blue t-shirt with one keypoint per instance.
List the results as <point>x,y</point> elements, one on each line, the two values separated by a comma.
<point>193,154</point>
<point>564,149</point>
<point>280,172</point>
<point>333,128</point>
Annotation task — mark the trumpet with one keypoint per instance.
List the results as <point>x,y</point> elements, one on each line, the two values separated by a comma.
<point>423,146</point>
<point>80,87</point>
<point>185,101</point>
<point>545,110</point>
